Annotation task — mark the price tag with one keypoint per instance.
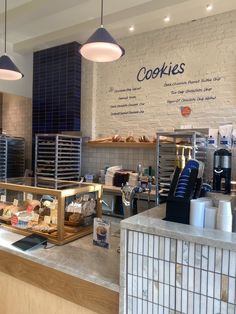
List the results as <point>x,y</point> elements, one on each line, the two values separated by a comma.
<point>29,196</point>
<point>36,217</point>
<point>47,219</point>
<point>29,209</point>
<point>15,202</point>
<point>86,197</point>
<point>3,198</point>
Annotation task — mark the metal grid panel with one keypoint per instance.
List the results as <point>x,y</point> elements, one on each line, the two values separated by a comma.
<point>58,156</point>
<point>166,275</point>
<point>166,157</point>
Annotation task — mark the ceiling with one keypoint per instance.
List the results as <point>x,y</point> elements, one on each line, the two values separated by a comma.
<point>37,24</point>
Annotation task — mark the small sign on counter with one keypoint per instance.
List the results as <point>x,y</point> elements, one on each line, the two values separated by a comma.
<point>101,233</point>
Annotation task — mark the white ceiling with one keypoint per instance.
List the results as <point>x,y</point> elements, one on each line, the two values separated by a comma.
<point>38,24</point>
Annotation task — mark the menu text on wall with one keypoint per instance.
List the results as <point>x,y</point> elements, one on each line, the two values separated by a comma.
<point>160,71</point>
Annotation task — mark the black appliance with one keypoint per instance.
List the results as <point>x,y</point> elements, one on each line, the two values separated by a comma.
<point>222,171</point>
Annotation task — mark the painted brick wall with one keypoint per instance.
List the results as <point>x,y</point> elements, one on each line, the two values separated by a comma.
<point>206,46</point>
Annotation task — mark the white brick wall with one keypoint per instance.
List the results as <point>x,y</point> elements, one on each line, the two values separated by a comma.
<point>206,46</point>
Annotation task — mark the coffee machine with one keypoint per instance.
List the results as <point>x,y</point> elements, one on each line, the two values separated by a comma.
<point>222,171</point>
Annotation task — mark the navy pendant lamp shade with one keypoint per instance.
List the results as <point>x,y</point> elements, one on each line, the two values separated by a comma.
<point>101,46</point>
<point>8,70</point>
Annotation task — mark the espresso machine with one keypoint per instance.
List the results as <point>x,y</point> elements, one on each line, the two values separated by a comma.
<point>222,171</point>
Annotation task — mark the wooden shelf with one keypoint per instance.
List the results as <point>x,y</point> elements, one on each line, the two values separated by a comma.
<point>122,145</point>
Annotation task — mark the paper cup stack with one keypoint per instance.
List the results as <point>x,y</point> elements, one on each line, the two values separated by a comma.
<point>203,214</point>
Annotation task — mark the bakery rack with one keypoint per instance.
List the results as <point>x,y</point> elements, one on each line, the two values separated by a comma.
<point>166,147</point>
<point>58,156</point>
<point>12,157</point>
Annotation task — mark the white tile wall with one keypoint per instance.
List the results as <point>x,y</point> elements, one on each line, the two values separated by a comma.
<point>181,278</point>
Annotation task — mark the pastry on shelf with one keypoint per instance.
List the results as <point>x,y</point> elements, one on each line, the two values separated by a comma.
<point>9,210</point>
<point>144,139</point>
<point>117,138</point>
<point>35,204</point>
<point>130,139</point>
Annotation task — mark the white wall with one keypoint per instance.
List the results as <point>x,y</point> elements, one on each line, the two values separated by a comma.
<point>208,49</point>
<point>22,87</point>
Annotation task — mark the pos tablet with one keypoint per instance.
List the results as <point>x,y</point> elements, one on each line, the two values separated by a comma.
<point>30,242</point>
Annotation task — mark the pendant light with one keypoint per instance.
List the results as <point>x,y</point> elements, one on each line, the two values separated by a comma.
<point>101,46</point>
<point>8,70</point>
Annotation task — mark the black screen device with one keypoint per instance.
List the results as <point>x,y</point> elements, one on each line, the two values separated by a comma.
<point>30,242</point>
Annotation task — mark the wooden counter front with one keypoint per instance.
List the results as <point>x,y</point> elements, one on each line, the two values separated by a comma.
<point>89,297</point>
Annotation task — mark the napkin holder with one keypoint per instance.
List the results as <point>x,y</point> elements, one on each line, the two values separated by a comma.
<point>178,208</point>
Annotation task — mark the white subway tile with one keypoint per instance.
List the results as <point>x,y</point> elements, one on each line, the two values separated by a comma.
<point>166,295</point>
<point>167,273</point>
<point>130,262</point>
<point>232,267</point>
<point>135,242</point>
<point>185,277</point>
<point>197,303</point>
<point>150,290</point>
<point>150,250</point>
<point>212,259</point>
<point>145,244</point>
<point>140,265</point>
<point>203,301</point>
<point>156,247</point>
<point>161,248</point>
<point>190,302</point>
<point>130,241</point>
<point>191,254</point>
<point>161,271</point>
<point>184,308</point>
<point>155,292</point>
<point>231,290</point>
<point>211,285</point>
<point>210,306</point>
<point>140,243</point>
<point>178,299</point>
<point>197,279</point>
<point>218,260</point>
<point>150,268</point>
<point>135,264</point>
<point>173,245</point>
<point>225,263</point>
<point>130,284</point>
<point>198,255</point>
<point>135,286</point>
<point>185,252</point>
<point>204,282</point>
<point>140,287</point>
<point>204,257</point>
<point>172,274</point>
<point>161,294</point>
<point>217,286</point>
<point>172,298</point>
<point>145,289</point>
<point>191,279</point>
<point>156,269</point>
<point>217,307</point>
<point>224,307</point>
<point>167,249</point>
<point>145,266</point>
<point>179,251</point>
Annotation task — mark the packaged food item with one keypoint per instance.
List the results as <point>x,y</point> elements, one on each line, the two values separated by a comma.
<point>101,233</point>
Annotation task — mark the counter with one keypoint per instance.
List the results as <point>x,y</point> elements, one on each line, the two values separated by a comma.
<point>169,267</point>
<point>79,272</point>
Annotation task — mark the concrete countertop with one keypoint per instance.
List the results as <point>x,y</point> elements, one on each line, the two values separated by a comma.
<point>79,259</point>
<point>151,222</point>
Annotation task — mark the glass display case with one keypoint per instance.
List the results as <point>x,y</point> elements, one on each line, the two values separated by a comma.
<point>60,210</point>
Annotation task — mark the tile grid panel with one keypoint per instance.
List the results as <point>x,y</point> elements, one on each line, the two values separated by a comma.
<point>166,275</point>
